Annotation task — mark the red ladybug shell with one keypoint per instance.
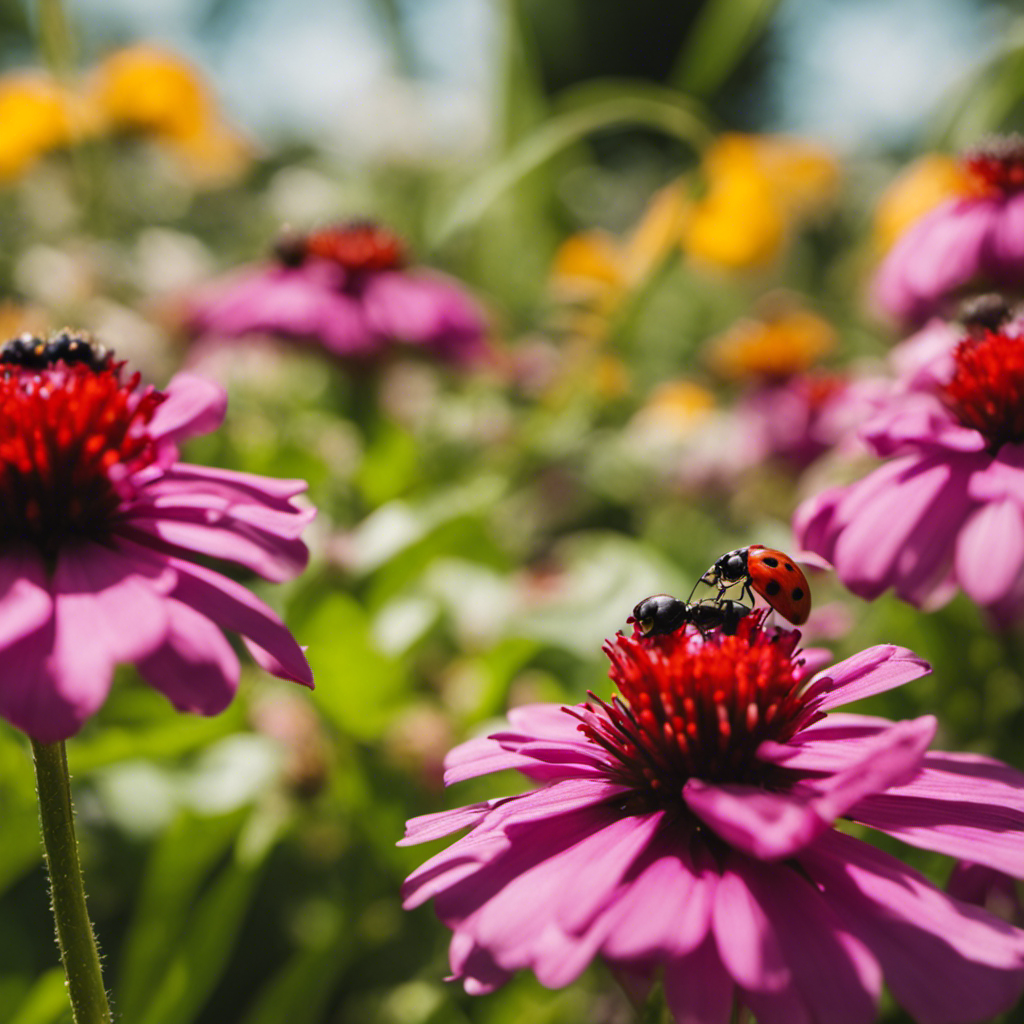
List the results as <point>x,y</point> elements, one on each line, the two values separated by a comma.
<point>780,581</point>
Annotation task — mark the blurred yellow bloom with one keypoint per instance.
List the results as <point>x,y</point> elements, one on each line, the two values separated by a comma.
<point>673,410</point>
<point>147,90</point>
<point>783,341</point>
<point>37,115</point>
<point>595,269</point>
<point>757,188</point>
<point>918,189</point>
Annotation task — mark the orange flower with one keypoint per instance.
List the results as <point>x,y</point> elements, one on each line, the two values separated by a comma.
<point>785,340</point>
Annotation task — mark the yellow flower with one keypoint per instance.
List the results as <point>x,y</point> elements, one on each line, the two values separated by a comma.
<point>783,341</point>
<point>595,269</point>
<point>923,185</point>
<point>757,188</point>
<point>672,411</point>
<point>37,115</point>
<point>153,92</point>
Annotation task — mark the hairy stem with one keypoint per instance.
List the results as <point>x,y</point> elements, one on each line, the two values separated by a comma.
<point>78,950</point>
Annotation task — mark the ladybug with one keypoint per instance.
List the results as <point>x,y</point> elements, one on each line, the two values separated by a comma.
<point>663,613</point>
<point>772,574</point>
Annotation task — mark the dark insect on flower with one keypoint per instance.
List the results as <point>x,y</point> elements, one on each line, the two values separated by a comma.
<point>772,574</point>
<point>986,312</point>
<point>663,613</point>
<point>75,348</point>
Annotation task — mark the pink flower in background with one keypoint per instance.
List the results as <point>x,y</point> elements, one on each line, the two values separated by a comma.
<point>801,418</point>
<point>964,242</point>
<point>684,830</point>
<point>101,526</point>
<point>347,289</point>
<point>946,509</point>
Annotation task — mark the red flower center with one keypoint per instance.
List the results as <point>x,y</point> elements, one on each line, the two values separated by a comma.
<point>359,247</point>
<point>69,438</point>
<point>986,391</point>
<point>695,708</point>
<point>997,165</point>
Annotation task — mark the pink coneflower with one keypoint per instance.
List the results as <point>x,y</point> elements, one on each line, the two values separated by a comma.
<point>684,830</point>
<point>947,507</point>
<point>964,242</point>
<point>348,289</point>
<point>797,420</point>
<point>101,525</point>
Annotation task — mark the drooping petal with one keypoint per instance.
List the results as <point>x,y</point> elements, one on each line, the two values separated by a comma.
<point>233,607</point>
<point>663,906</point>
<point>945,961</point>
<point>838,978</point>
<point>195,667</point>
<point>766,825</point>
<point>25,601</point>
<point>698,988</point>
<point>990,551</point>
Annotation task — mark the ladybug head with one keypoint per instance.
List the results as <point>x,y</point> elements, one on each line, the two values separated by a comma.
<point>731,566</point>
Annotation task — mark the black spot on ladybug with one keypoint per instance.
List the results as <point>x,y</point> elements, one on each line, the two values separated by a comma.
<point>771,562</point>
<point>772,587</point>
<point>798,594</point>
<point>789,568</point>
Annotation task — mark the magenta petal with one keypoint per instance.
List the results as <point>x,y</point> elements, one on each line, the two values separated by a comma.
<point>424,309</point>
<point>195,667</point>
<point>474,966</point>
<point>428,827</point>
<point>194,406</point>
<point>479,756</point>
<point>946,962</point>
<point>274,558</point>
<point>890,759</point>
<point>766,825</point>
<point>234,608</point>
<point>698,988</point>
<point>29,698</point>
<point>99,590</point>
<point>964,805</point>
<point>872,671</point>
<point>746,940</point>
<point>838,978</point>
<point>271,491</point>
<point>664,907</point>
<point>25,601</point>
<point>990,551</point>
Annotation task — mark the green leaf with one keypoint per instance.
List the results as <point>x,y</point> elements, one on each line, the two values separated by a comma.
<point>178,868</point>
<point>584,110</point>
<point>358,688</point>
<point>193,966</point>
<point>721,36</point>
<point>46,1002</point>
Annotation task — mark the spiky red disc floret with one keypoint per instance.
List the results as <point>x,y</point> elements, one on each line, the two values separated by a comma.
<point>996,165</point>
<point>986,391</point>
<point>697,708</point>
<point>70,436</point>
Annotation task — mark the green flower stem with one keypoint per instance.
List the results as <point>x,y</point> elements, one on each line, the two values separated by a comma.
<point>78,951</point>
